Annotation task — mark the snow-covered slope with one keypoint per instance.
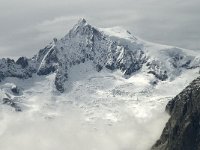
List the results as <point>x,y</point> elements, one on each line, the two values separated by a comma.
<point>108,75</point>
<point>98,110</point>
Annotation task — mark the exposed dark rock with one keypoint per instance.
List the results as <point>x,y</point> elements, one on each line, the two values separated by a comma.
<point>133,68</point>
<point>1,76</point>
<point>131,61</point>
<point>111,66</point>
<point>9,68</point>
<point>55,40</point>
<point>154,82</point>
<point>49,61</point>
<point>182,131</point>
<point>11,103</point>
<point>42,53</point>
<point>22,61</point>
<point>61,78</point>
<point>15,90</point>
<point>99,68</point>
<point>10,61</point>
<point>46,70</point>
<point>160,75</point>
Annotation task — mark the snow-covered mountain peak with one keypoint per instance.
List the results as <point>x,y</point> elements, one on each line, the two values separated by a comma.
<point>82,21</point>
<point>111,77</point>
<point>105,48</point>
<point>80,28</point>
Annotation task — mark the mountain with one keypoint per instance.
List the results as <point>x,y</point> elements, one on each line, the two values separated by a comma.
<point>113,48</point>
<point>115,80</point>
<point>182,131</point>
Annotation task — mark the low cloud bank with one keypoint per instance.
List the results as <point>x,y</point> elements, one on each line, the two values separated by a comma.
<point>24,131</point>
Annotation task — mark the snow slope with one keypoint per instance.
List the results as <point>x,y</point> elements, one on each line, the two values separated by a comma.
<point>108,111</point>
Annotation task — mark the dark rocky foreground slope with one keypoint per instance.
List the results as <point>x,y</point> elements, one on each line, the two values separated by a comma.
<point>182,131</point>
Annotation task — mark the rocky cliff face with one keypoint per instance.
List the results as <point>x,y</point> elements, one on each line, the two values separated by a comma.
<point>23,68</point>
<point>115,50</point>
<point>182,131</point>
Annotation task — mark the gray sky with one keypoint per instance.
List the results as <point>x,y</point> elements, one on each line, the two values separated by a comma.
<point>29,25</point>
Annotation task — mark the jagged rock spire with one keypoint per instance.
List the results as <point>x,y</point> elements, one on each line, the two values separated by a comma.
<point>80,27</point>
<point>82,21</point>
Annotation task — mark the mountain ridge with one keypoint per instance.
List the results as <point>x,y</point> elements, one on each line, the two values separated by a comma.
<point>107,48</point>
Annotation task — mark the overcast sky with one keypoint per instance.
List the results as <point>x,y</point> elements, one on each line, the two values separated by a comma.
<point>28,25</point>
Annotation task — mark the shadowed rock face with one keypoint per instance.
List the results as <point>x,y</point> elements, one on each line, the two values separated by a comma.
<point>182,131</point>
<point>22,61</point>
<point>19,69</point>
<point>15,90</point>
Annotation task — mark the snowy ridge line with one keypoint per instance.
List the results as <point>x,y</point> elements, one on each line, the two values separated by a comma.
<point>111,48</point>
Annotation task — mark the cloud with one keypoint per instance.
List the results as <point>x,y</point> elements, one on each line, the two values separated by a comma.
<point>67,129</point>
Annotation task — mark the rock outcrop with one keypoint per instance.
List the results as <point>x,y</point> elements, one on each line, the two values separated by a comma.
<point>18,69</point>
<point>12,103</point>
<point>182,131</point>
